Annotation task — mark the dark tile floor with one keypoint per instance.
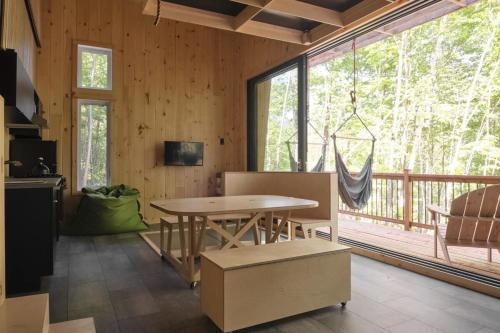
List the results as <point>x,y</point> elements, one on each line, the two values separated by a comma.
<point>122,283</point>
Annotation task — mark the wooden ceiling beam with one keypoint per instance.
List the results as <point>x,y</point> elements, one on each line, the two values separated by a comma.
<point>225,22</point>
<point>249,13</point>
<point>245,16</point>
<point>299,9</point>
<point>356,16</point>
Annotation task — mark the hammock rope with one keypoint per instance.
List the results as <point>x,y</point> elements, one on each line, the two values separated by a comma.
<point>354,190</point>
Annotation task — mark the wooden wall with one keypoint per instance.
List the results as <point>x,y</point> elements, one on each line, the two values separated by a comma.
<point>172,82</point>
<point>255,56</point>
<point>17,32</point>
<point>2,207</point>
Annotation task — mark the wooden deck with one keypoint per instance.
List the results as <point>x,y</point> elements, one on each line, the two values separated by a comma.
<point>418,243</point>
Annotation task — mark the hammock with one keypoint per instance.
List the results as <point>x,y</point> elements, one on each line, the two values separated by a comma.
<point>293,162</point>
<point>319,167</point>
<point>354,190</point>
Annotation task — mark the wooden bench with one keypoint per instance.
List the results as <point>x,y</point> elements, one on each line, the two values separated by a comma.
<point>473,221</point>
<point>252,285</point>
<point>309,227</point>
<point>321,187</point>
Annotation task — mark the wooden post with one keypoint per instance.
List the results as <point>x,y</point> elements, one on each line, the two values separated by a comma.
<point>407,199</point>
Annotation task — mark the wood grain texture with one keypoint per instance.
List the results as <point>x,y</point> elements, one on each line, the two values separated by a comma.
<point>176,81</point>
<point>2,205</point>
<point>321,187</point>
<point>239,204</point>
<point>280,280</point>
<point>17,32</point>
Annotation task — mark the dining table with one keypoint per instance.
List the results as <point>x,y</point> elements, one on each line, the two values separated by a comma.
<point>199,211</point>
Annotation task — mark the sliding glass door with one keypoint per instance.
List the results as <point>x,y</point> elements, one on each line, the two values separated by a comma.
<point>275,123</point>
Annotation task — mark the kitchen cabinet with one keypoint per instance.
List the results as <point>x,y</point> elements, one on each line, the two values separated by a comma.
<point>32,209</point>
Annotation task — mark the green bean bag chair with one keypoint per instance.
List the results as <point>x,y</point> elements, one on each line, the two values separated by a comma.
<point>106,210</point>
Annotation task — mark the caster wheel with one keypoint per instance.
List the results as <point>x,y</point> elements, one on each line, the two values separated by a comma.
<point>343,304</point>
<point>162,258</point>
<point>193,285</point>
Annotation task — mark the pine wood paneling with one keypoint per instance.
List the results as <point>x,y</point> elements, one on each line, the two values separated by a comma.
<point>2,208</point>
<point>17,32</point>
<point>176,81</point>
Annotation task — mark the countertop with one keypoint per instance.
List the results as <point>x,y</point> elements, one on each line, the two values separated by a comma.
<point>20,183</point>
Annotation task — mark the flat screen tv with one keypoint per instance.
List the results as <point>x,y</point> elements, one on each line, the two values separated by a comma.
<point>183,153</point>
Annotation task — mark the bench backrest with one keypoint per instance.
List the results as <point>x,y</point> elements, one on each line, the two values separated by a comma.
<point>475,216</point>
<point>321,187</point>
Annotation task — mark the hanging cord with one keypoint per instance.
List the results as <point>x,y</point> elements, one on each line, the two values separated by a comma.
<point>353,91</point>
<point>354,104</point>
<point>157,18</point>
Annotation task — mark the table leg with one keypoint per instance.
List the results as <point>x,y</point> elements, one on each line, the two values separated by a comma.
<point>162,238</point>
<point>182,239</point>
<point>201,235</point>
<point>191,246</point>
<point>269,226</point>
<point>224,226</point>
<point>293,231</point>
<point>281,225</point>
<point>256,233</point>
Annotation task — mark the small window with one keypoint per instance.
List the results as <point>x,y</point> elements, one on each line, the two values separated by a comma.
<point>94,67</point>
<point>93,143</point>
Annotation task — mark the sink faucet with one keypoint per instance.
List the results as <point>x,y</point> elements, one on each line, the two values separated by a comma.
<point>14,163</point>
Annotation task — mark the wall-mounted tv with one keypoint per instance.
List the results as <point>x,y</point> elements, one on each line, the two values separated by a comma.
<point>183,153</point>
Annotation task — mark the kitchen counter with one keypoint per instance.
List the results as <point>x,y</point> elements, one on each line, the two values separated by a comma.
<point>44,182</point>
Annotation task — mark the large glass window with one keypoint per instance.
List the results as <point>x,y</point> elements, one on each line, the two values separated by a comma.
<point>94,68</point>
<point>430,95</point>
<point>427,90</point>
<point>276,124</point>
<point>93,143</point>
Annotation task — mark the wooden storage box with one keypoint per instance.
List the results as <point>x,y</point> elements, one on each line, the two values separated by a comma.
<point>257,284</point>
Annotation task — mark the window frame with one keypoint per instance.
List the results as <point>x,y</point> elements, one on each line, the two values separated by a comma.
<point>399,15</point>
<point>300,63</point>
<point>76,189</point>
<point>108,52</point>
<point>102,95</point>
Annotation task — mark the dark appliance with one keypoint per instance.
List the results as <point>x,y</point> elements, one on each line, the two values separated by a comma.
<point>22,106</point>
<point>33,211</point>
<point>28,151</point>
<point>183,153</point>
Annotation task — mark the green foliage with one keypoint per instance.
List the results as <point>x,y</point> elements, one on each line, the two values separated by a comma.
<point>94,71</point>
<point>282,121</point>
<point>92,145</point>
<point>430,94</point>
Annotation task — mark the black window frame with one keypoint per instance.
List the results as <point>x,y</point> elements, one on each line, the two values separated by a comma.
<point>300,63</point>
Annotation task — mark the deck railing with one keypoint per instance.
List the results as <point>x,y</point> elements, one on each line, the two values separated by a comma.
<point>402,197</point>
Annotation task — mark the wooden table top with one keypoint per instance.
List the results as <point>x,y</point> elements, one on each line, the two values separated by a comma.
<point>207,206</point>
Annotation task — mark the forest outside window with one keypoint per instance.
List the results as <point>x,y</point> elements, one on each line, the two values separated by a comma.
<point>94,68</point>
<point>93,143</point>
<point>427,90</point>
